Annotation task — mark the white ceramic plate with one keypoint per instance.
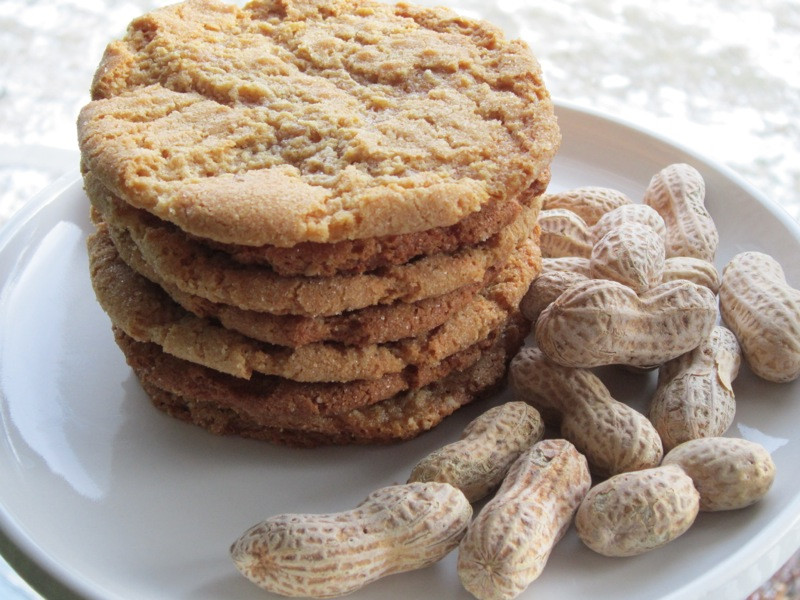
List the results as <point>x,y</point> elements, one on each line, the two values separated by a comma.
<point>113,499</point>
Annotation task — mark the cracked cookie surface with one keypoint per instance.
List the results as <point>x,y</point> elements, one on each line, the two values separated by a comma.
<point>286,122</point>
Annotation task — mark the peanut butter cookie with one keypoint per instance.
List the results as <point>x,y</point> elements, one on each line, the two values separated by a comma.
<point>224,405</point>
<point>145,312</point>
<point>294,121</point>
<point>196,269</point>
<point>371,325</point>
<point>313,259</point>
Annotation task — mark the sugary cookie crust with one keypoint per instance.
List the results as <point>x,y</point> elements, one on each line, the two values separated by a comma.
<point>315,121</point>
<point>212,402</point>
<point>399,418</point>
<point>314,259</point>
<point>145,312</point>
<point>198,270</point>
<point>371,325</point>
<point>285,402</point>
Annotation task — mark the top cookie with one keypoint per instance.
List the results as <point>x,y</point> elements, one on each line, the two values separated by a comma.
<point>315,121</point>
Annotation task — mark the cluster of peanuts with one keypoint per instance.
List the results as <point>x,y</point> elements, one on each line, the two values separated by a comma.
<point>623,283</point>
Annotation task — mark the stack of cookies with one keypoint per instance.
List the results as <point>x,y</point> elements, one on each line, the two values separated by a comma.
<point>315,220</point>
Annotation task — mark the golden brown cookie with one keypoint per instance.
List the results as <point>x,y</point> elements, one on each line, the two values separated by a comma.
<point>196,269</point>
<point>371,325</point>
<point>358,256</point>
<point>219,403</point>
<point>307,121</point>
<point>287,403</point>
<point>145,312</point>
<point>313,259</point>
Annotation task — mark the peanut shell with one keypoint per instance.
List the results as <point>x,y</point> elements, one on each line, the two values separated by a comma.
<point>677,193</point>
<point>729,473</point>
<point>631,254</point>
<point>603,322</point>
<point>507,546</point>
<point>630,213</point>
<point>572,264</point>
<point>395,529</point>
<point>478,461</point>
<point>545,289</point>
<point>564,233</point>
<point>589,202</point>
<point>694,397</point>
<point>636,512</point>
<point>760,307</point>
<point>696,270</point>
<point>613,436</point>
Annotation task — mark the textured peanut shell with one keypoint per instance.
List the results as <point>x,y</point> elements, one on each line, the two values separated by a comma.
<point>478,461</point>
<point>633,513</point>
<point>564,233</point>
<point>603,322</point>
<point>613,436</point>
<point>694,397</point>
<point>545,289</point>
<point>696,270</point>
<point>572,264</point>
<point>677,193</point>
<point>630,213</point>
<point>763,311</point>
<point>589,202</point>
<point>631,254</point>
<point>396,529</point>
<point>507,546</point>
<point>729,473</point>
